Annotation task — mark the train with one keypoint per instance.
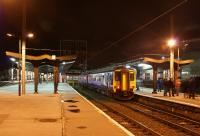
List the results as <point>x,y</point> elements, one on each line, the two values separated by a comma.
<point>119,83</point>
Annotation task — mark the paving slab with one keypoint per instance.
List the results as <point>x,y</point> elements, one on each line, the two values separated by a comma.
<point>42,114</point>
<point>30,115</point>
<point>83,119</point>
<point>179,99</point>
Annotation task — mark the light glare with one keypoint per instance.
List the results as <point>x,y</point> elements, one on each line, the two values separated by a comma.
<point>13,59</point>
<point>53,57</point>
<point>64,63</point>
<point>9,35</point>
<point>30,35</point>
<point>171,43</point>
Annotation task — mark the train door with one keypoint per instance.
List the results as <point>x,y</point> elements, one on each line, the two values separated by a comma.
<point>132,78</point>
<point>125,80</point>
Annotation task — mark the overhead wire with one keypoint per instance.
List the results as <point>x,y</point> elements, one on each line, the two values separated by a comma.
<point>139,28</point>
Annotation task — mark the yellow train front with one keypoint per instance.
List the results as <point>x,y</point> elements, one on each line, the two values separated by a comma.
<point>124,83</point>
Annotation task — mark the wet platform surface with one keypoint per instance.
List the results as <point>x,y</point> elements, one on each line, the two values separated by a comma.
<point>178,99</point>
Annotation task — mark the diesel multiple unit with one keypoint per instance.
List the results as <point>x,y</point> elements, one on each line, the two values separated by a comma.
<point>119,83</point>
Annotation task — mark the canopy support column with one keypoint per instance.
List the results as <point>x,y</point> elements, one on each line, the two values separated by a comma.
<point>56,77</point>
<point>155,68</point>
<point>36,76</point>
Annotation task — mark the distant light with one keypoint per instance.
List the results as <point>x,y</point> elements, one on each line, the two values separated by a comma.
<point>16,62</point>
<point>171,42</point>
<point>144,66</point>
<point>127,66</point>
<point>141,65</point>
<point>13,59</point>
<point>9,35</point>
<point>70,62</point>
<point>30,35</point>
<point>53,57</point>
<point>64,63</point>
<point>163,57</point>
<point>185,72</point>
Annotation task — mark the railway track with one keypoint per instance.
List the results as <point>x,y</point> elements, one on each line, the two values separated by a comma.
<point>123,119</point>
<point>179,125</point>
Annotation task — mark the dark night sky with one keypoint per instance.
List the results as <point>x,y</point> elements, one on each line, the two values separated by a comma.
<point>100,22</point>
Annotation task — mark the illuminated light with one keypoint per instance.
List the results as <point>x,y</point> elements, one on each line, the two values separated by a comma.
<point>127,66</point>
<point>30,35</point>
<point>118,87</point>
<point>9,35</point>
<point>171,43</point>
<point>144,66</point>
<point>53,57</point>
<point>163,57</point>
<point>64,63</point>
<point>70,62</point>
<point>13,59</point>
<point>184,72</point>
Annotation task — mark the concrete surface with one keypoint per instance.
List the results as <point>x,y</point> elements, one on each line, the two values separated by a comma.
<point>30,115</point>
<point>41,114</point>
<point>82,119</point>
<point>44,88</point>
<point>180,99</point>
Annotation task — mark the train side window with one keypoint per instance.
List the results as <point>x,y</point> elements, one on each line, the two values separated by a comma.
<point>131,77</point>
<point>117,76</point>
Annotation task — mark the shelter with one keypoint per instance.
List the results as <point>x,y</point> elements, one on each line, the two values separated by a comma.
<point>165,64</point>
<point>154,62</point>
<point>38,61</point>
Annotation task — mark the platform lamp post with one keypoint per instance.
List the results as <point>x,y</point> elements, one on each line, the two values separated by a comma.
<point>23,77</point>
<point>18,65</point>
<point>30,36</point>
<point>24,36</point>
<point>171,43</point>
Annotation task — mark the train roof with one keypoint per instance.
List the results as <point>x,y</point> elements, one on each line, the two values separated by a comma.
<point>108,69</point>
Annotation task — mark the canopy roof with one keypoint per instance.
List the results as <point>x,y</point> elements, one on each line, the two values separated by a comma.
<point>42,57</point>
<point>165,62</point>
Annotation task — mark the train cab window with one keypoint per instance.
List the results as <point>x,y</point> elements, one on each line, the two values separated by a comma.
<point>131,77</point>
<point>117,76</point>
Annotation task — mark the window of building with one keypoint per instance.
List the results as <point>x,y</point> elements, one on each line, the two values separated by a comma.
<point>147,76</point>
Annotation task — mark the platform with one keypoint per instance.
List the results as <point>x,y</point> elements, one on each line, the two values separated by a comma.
<point>30,115</point>
<point>177,99</point>
<point>45,114</point>
<point>85,119</point>
<point>44,88</point>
